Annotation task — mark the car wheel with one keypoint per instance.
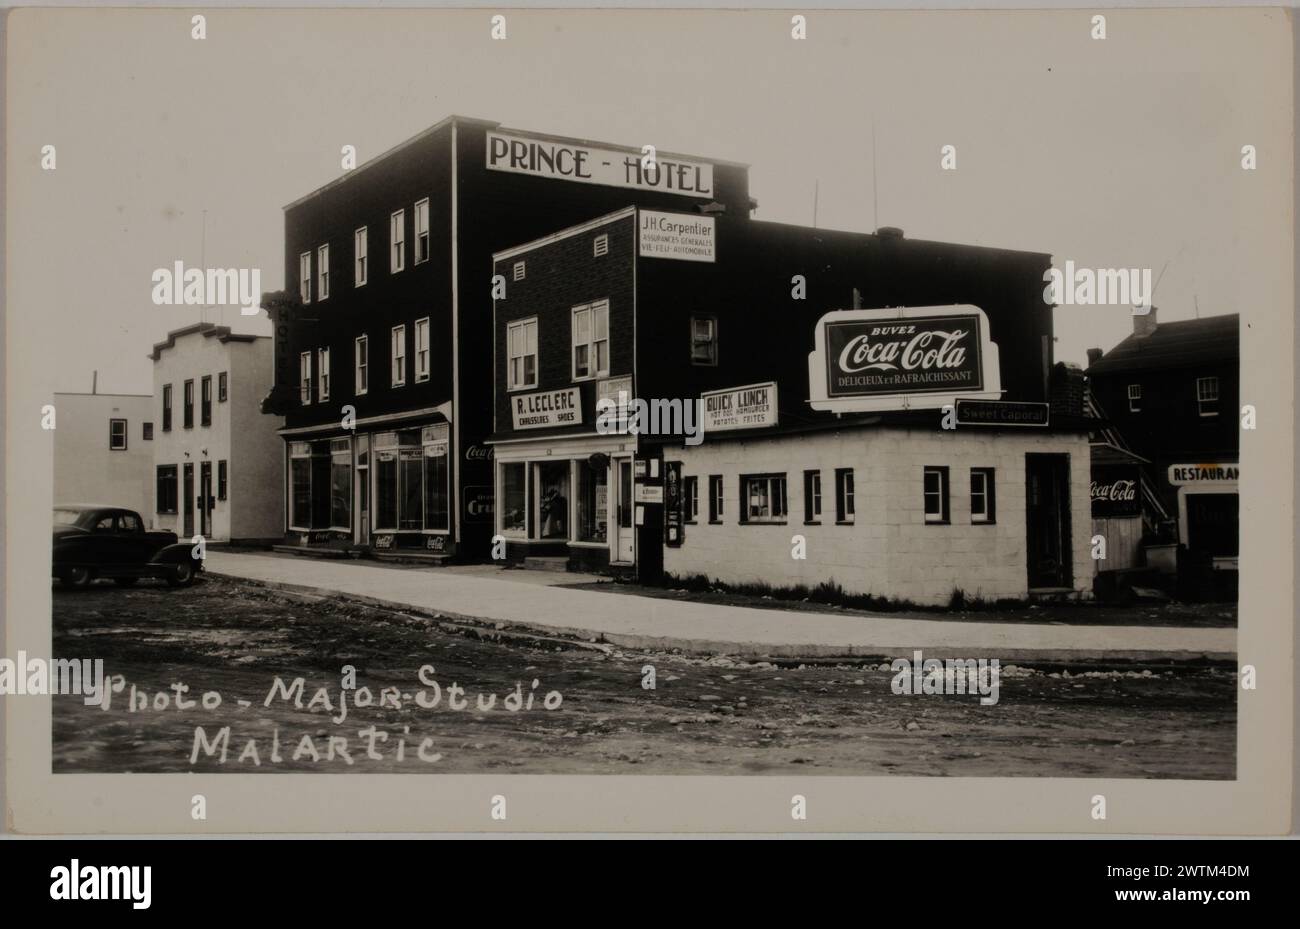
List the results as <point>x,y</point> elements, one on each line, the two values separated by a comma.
<point>76,577</point>
<point>125,581</point>
<point>182,575</point>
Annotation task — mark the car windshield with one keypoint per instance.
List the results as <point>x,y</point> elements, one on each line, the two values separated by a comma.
<point>71,517</point>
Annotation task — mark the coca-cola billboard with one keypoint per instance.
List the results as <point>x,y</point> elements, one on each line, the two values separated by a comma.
<point>1115,491</point>
<point>925,354</point>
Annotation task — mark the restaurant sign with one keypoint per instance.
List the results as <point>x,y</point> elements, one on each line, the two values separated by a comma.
<point>751,407</point>
<point>586,164</point>
<point>902,358</point>
<point>547,408</point>
<point>1212,473</point>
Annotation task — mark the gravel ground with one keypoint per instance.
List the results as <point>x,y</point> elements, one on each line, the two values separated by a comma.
<point>704,716</point>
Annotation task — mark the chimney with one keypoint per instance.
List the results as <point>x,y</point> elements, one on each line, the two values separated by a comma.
<point>1144,323</point>
<point>1094,356</point>
<point>889,232</point>
<point>94,382</point>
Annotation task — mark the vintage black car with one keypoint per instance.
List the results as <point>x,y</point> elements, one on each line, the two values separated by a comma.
<point>109,541</point>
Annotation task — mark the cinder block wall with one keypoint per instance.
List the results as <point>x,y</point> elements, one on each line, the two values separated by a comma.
<point>889,550</point>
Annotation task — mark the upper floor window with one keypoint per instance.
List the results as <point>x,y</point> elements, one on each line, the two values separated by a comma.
<point>147,432</point>
<point>323,272</point>
<point>397,236</point>
<point>399,355</point>
<point>362,353</point>
<point>360,252</point>
<point>304,277</point>
<point>205,408</point>
<point>117,435</point>
<point>189,405</point>
<point>704,340</point>
<point>517,273</point>
<point>422,231</point>
<point>762,498</point>
<point>167,408</point>
<point>600,246</point>
<point>591,340</point>
<point>935,491</point>
<point>304,378</point>
<point>1207,396</point>
<point>1134,398</point>
<point>521,348</point>
<point>323,374</point>
<point>421,349</point>
<point>223,387</point>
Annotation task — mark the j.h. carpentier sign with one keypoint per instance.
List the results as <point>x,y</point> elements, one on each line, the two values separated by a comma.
<point>586,164</point>
<point>902,358</point>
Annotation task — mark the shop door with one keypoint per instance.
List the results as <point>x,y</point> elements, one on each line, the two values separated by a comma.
<point>1047,518</point>
<point>187,495</point>
<point>205,498</point>
<point>623,528</point>
<point>363,503</point>
<point>1212,524</point>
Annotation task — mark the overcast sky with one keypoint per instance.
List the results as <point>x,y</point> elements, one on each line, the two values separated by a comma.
<point>1116,153</point>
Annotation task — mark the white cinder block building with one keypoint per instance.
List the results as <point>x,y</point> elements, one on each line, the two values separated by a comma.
<point>103,449</point>
<point>217,459</point>
<point>914,514</point>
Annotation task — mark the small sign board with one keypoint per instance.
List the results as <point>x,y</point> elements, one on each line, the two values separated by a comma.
<point>1001,413</point>
<point>547,408</point>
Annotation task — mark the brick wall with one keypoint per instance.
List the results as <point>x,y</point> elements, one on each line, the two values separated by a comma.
<point>889,550</point>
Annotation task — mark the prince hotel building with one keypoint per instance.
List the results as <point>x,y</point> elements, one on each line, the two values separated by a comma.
<point>875,408</point>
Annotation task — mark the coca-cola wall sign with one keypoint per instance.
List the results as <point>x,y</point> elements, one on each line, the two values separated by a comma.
<point>1115,491</point>
<point>902,358</point>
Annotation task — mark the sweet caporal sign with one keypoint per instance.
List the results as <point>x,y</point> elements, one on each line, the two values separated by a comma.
<point>902,358</point>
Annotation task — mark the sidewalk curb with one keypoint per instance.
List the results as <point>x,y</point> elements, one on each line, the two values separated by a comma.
<point>576,637</point>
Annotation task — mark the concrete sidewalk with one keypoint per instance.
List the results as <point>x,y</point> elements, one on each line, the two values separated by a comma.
<point>652,623</point>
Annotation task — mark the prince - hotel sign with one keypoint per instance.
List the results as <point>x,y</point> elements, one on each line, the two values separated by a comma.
<point>902,358</point>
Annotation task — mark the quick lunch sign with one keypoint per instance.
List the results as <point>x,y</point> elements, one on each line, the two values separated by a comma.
<point>902,358</point>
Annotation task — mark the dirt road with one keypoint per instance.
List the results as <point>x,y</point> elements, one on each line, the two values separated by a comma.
<point>233,641</point>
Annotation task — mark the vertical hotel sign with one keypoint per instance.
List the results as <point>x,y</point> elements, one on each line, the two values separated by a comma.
<point>565,160</point>
<point>902,358</point>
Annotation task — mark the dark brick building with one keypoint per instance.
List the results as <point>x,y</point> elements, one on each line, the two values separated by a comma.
<point>1173,392</point>
<point>383,374</point>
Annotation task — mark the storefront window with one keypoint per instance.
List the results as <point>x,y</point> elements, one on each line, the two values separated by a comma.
<point>514,499</point>
<point>593,502</point>
<point>341,484</point>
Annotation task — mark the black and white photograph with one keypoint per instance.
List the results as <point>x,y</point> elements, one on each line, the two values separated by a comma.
<point>759,395</point>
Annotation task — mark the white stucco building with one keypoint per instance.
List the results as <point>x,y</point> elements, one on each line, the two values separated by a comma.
<point>103,450</point>
<point>217,466</point>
